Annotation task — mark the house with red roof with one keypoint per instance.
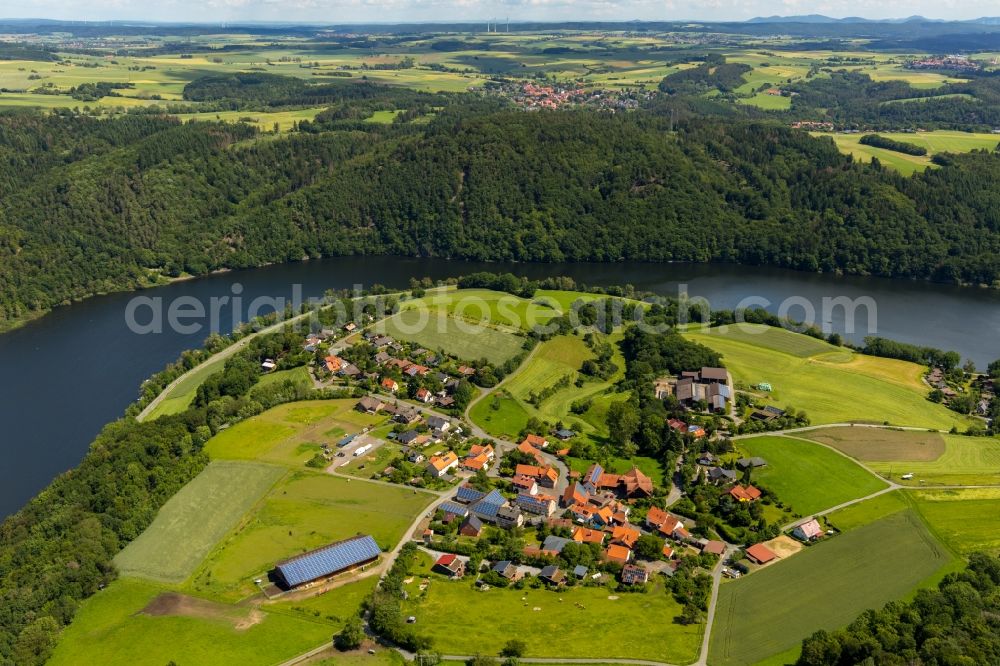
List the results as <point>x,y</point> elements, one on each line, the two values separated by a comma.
<point>424,395</point>
<point>744,493</point>
<point>587,535</point>
<point>760,554</point>
<point>536,441</point>
<point>808,531</point>
<point>390,384</point>
<point>617,553</point>
<point>449,565</point>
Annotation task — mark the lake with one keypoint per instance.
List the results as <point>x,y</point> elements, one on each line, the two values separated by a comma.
<point>67,374</point>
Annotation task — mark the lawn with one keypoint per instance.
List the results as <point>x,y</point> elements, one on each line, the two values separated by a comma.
<point>290,434</point>
<point>823,587</point>
<point>111,628</point>
<point>965,519</point>
<point>568,623</point>
<point>189,525</point>
<point>304,511</point>
<point>435,329</point>
<point>265,121</point>
<point>835,388</point>
<point>299,376</point>
<point>806,476</point>
<point>649,466</point>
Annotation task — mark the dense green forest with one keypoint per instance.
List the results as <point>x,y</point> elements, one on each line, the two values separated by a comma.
<point>97,205</point>
<point>953,624</point>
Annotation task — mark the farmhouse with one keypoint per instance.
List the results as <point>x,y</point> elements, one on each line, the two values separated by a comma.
<point>449,565</point>
<point>713,547</point>
<point>438,466</point>
<point>760,554</point>
<point>625,535</point>
<point>546,477</point>
<point>423,395</point>
<point>541,505</point>
<point>633,574</point>
<point>333,363</point>
<point>390,385</point>
<point>471,527</point>
<point>506,569</point>
<point>744,493</point>
<point>525,447</point>
<point>756,461</point>
<point>369,405</point>
<point>617,553</point>
<point>524,485</point>
<point>552,575</point>
<point>328,561</point>
<point>808,531</point>
<point>710,385</point>
<point>587,535</point>
<point>631,484</point>
<point>536,441</point>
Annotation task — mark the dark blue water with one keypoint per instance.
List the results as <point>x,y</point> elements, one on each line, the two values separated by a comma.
<point>70,372</point>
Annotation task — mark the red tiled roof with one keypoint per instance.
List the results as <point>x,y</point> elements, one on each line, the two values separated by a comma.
<point>617,553</point>
<point>586,535</point>
<point>760,553</point>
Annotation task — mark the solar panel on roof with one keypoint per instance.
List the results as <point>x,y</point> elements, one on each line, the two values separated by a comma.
<point>328,560</point>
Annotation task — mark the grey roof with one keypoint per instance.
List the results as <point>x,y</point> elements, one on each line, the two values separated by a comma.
<point>489,505</point>
<point>501,566</point>
<point>345,441</point>
<point>328,560</point>
<point>755,461</point>
<point>455,508</point>
<point>436,422</point>
<point>407,437</point>
<point>553,542</point>
<point>473,522</point>
<point>721,473</point>
<point>580,571</point>
<point>468,494</point>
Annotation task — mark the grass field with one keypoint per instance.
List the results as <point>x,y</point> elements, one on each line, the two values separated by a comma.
<point>881,444</point>
<point>867,512</point>
<point>935,142</point>
<point>965,519</point>
<point>435,329</point>
<point>304,511</point>
<point>483,306</point>
<point>768,102</point>
<point>777,339</point>
<point>835,388</point>
<point>265,121</point>
<point>507,411</point>
<point>180,397</point>
<point>931,457</point>
<point>111,628</point>
<point>189,525</point>
<point>299,376</point>
<point>290,434</point>
<point>555,624</point>
<point>649,466</point>
<point>823,587</point>
<point>806,476</point>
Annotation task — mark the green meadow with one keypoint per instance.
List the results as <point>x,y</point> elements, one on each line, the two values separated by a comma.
<point>825,586</point>
<point>965,519</point>
<point>939,141</point>
<point>292,433</point>
<point>436,329</point>
<point>189,525</point>
<point>837,387</point>
<point>139,622</point>
<point>304,511</point>
<point>563,623</point>
<point>806,476</point>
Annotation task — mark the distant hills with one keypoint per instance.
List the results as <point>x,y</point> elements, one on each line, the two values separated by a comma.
<point>821,19</point>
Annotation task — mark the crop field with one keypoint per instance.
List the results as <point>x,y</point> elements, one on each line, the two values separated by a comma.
<point>306,510</point>
<point>290,434</point>
<point>805,476</point>
<point>195,519</point>
<point>882,444</point>
<point>770,337</point>
<point>556,624</point>
<point>935,142</point>
<point>435,329</point>
<point>965,519</point>
<point>965,461</point>
<point>828,388</point>
<point>138,622</point>
<point>823,587</point>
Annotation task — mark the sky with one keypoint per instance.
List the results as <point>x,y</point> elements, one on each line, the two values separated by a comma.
<point>392,11</point>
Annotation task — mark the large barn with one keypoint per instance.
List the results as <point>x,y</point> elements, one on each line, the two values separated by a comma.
<point>328,561</point>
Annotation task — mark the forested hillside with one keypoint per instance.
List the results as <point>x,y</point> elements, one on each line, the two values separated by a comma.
<point>96,205</point>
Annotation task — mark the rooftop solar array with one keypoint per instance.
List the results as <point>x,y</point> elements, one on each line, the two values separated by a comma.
<point>328,560</point>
